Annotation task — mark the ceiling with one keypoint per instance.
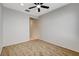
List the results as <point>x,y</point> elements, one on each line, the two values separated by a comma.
<point>34,11</point>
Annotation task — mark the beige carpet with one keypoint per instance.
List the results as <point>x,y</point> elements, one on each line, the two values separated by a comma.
<point>36,48</point>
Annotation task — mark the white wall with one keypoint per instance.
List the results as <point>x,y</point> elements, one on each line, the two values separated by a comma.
<point>61,27</point>
<point>0,27</point>
<point>15,27</point>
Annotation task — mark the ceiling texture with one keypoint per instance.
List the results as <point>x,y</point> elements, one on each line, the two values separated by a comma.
<point>34,12</point>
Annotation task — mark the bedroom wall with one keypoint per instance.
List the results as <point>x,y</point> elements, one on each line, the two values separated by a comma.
<point>0,27</point>
<point>61,27</point>
<point>15,27</point>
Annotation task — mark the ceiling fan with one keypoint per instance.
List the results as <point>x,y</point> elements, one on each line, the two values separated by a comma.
<point>38,6</point>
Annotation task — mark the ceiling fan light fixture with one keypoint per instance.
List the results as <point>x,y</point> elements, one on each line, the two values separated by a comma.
<point>38,6</point>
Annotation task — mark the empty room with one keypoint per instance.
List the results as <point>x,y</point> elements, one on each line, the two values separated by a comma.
<point>39,29</point>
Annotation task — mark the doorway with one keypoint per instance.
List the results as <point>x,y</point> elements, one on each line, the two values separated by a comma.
<point>34,29</point>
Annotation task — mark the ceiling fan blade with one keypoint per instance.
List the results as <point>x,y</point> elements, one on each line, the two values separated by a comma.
<point>36,3</point>
<point>32,7</point>
<point>38,9</point>
<point>41,3</point>
<point>45,6</point>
